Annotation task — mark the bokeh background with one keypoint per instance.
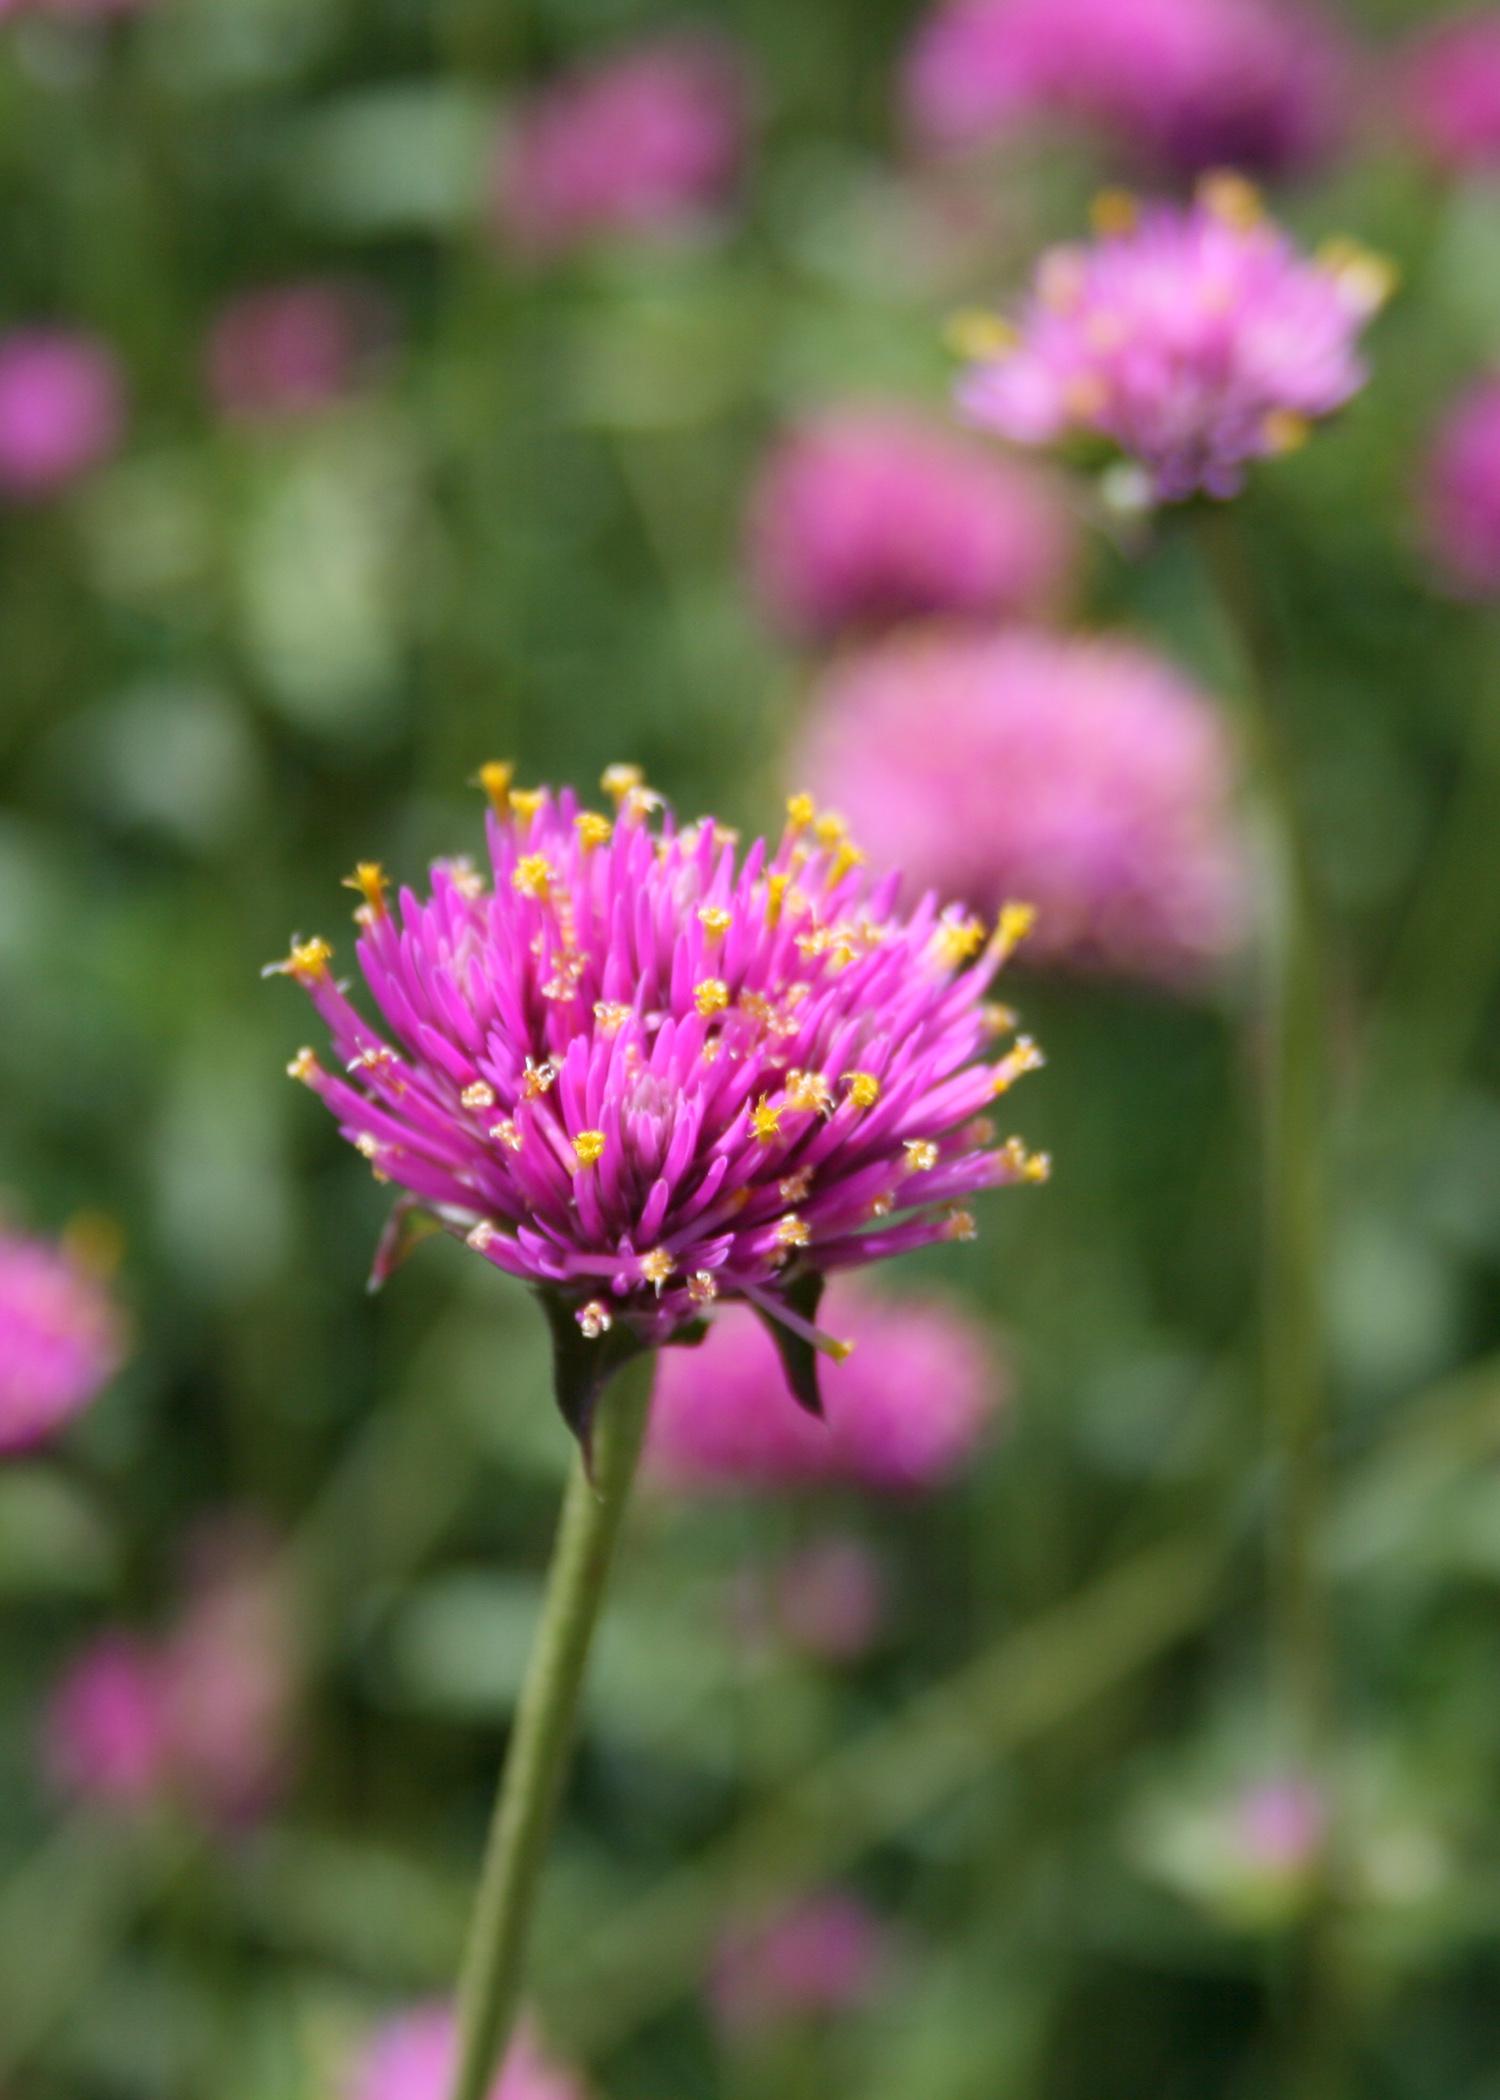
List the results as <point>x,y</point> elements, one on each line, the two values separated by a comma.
<point>363,478</point>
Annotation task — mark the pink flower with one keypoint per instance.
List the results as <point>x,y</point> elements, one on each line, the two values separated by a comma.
<point>1281,1826</point>
<point>292,349</point>
<point>62,410</point>
<point>904,1412</point>
<point>1449,86</point>
<point>61,1340</point>
<point>829,1955</point>
<point>105,1739</point>
<point>1187,85</point>
<point>867,516</point>
<point>829,1600</point>
<point>1461,494</point>
<point>1087,776</point>
<point>651,142</point>
<point>411,2058</point>
<point>645,1072</point>
<point>1192,339</point>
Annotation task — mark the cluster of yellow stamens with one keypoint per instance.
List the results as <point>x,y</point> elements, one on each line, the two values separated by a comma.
<point>589,1146</point>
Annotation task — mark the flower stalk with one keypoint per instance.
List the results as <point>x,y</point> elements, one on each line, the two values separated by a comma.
<point>537,1756</point>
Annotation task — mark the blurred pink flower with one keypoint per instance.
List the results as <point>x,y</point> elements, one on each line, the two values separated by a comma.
<point>828,1600</point>
<point>902,1413</point>
<point>649,142</point>
<point>826,1956</point>
<point>292,349</point>
<point>1461,494</point>
<point>1192,338</point>
<point>105,1738</point>
<point>1281,1825</point>
<point>865,516</point>
<point>1448,82</point>
<point>411,2058</point>
<point>1186,85</point>
<point>1087,776</point>
<point>62,409</point>
<point>61,1339</point>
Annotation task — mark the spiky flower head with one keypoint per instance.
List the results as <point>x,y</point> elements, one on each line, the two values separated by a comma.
<point>412,2058</point>
<point>61,1339</point>
<point>1191,339</point>
<point>643,1071</point>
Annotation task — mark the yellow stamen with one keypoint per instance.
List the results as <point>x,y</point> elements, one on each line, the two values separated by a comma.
<point>1285,431</point>
<point>1026,1166</point>
<point>921,1155</point>
<point>792,1231</point>
<point>1114,212</point>
<point>620,781</point>
<point>766,1121</point>
<point>997,1019</point>
<point>304,1066</point>
<point>1016,923</point>
<point>594,1319</point>
<point>525,803</point>
<point>711,996</point>
<point>1369,279</point>
<point>480,1235</point>
<point>532,876</point>
<point>593,830</point>
<point>959,941</point>
<point>715,921</point>
<point>1231,198</point>
<point>1022,1058</point>
<point>794,1187</point>
<point>657,1266</point>
<point>480,1095</point>
<point>369,879</point>
<point>882,1206</point>
<point>589,1145</point>
<point>495,778</point>
<point>800,811</point>
<point>610,1015</point>
<point>978,335</point>
<point>848,856</point>
<point>506,1134</point>
<point>830,829</point>
<point>702,1288</point>
<point>809,1093</point>
<point>536,1079</point>
<point>864,1088</point>
<point>959,1225</point>
<point>307,961</point>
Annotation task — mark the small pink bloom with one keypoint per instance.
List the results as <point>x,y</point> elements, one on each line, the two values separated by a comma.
<point>62,410</point>
<point>829,1601</point>
<point>651,142</point>
<point>1084,776</point>
<point>1186,85</point>
<point>1449,85</point>
<point>1281,1825</point>
<point>1193,340</point>
<point>60,1340</point>
<point>867,516</point>
<point>904,1412</point>
<point>412,2058</point>
<point>106,1735</point>
<point>292,349</point>
<point>827,1956</point>
<point>1461,494</point>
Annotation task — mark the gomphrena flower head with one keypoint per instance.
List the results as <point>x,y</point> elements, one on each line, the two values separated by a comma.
<point>1180,85</point>
<point>825,1956</point>
<point>643,1070</point>
<point>105,1735</point>
<point>1461,494</point>
<point>866,515</point>
<point>412,2058</point>
<point>902,1414</point>
<point>1087,774</point>
<point>1449,87</point>
<point>62,409</point>
<point>61,1339</point>
<point>289,350</point>
<point>1191,339</point>
<point>650,142</point>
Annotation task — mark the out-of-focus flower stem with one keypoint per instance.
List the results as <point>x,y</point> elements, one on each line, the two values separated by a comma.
<point>537,1756</point>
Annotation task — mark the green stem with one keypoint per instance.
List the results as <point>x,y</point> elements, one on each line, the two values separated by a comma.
<point>1294,1109</point>
<point>537,1755</point>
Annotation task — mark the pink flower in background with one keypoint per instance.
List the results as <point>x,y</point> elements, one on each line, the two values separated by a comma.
<point>1449,87</point>
<point>827,1956</point>
<point>61,1339</point>
<point>105,1738</point>
<point>831,1599</point>
<point>292,349</point>
<point>645,1071</point>
<point>1187,85</point>
<point>866,516</point>
<point>1461,494</point>
<point>1088,776</point>
<point>412,2058</point>
<point>650,142</point>
<point>62,409</point>
<point>903,1413</point>
<point>1194,339</point>
<point>1281,1826</point>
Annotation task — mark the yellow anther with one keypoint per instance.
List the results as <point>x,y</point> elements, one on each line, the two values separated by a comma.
<point>610,1015</point>
<point>921,1155</point>
<point>978,335</point>
<point>793,1188</point>
<point>480,1235</point>
<point>1368,279</point>
<point>593,830</point>
<point>536,1078</point>
<point>464,876</point>
<point>715,921</point>
<point>506,1133</point>
<point>959,1225</point>
<point>830,829</point>
<point>959,941</point>
<point>800,811</point>
<point>765,1121</point>
<point>1023,1165</point>
<point>370,880</point>
<point>701,1287</point>
<point>882,1206</point>
<point>1285,431</point>
<point>792,1231</point>
<point>996,1019</point>
<point>1231,198</point>
<point>848,856</point>
<point>594,1319</point>
<point>657,1266</point>
<point>307,961</point>
<point>495,778</point>
<point>589,1145</point>
<point>1114,212</point>
<point>1022,1058</point>
<point>532,876</point>
<point>368,1147</point>
<point>711,996</point>
<point>478,1095</point>
<point>864,1088</point>
<point>304,1066</point>
<point>809,1093</point>
<point>1016,923</point>
<point>525,803</point>
<point>620,781</point>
